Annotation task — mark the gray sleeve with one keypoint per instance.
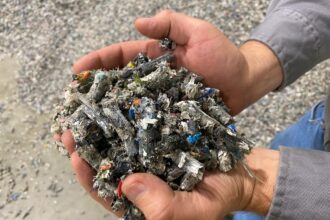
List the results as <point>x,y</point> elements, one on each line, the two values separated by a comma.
<point>298,32</point>
<point>303,186</point>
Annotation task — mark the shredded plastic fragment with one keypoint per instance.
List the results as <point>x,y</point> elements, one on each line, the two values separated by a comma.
<point>167,44</point>
<point>148,117</point>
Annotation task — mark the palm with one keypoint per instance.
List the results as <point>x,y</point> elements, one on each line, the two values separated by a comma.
<point>220,63</point>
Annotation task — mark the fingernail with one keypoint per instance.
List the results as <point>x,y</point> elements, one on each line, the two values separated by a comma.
<point>135,190</point>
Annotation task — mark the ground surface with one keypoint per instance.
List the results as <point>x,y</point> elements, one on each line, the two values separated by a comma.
<point>38,44</point>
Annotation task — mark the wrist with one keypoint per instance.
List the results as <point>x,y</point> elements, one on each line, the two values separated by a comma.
<point>259,190</point>
<point>264,69</point>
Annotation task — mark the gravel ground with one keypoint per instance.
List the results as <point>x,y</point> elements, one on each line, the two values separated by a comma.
<point>45,37</point>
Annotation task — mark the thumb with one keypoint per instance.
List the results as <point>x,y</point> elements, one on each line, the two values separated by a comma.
<point>176,26</point>
<point>150,194</point>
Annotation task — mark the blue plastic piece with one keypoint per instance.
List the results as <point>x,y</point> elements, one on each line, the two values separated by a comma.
<point>207,92</point>
<point>232,127</point>
<point>192,139</point>
<point>131,113</point>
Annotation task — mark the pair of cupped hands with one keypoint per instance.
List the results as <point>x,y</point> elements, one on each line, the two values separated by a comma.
<point>242,74</point>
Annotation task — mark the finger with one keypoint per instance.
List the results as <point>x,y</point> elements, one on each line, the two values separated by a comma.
<point>116,55</point>
<point>68,141</point>
<point>141,189</point>
<point>156,199</point>
<point>57,137</point>
<point>85,175</point>
<point>176,26</point>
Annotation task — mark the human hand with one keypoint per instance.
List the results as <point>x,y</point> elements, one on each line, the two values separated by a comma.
<point>242,75</point>
<point>223,66</point>
<point>217,195</point>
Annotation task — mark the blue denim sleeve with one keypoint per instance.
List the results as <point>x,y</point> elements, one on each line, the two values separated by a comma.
<point>298,32</point>
<point>303,186</point>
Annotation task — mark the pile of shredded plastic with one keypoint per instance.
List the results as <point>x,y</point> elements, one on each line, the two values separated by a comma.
<point>148,117</point>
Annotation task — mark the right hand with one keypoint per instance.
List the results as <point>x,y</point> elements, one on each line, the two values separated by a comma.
<point>215,196</point>
<point>201,48</point>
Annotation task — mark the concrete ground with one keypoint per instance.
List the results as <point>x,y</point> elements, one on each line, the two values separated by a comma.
<point>36,182</point>
<point>39,41</point>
